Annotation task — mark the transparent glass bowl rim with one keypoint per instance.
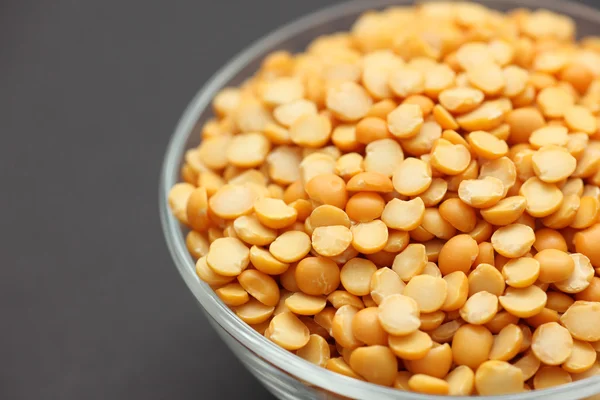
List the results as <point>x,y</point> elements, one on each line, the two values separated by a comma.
<point>219,312</point>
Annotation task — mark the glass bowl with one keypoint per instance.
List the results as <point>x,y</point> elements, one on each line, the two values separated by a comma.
<point>281,372</point>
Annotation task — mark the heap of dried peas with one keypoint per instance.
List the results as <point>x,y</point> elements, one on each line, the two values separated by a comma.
<point>413,203</point>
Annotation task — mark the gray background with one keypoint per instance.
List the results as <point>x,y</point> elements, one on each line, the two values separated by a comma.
<point>90,304</point>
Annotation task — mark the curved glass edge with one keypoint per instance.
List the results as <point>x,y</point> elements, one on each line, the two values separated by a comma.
<point>219,312</point>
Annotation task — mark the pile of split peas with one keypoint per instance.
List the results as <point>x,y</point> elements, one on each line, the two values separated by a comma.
<point>414,203</point>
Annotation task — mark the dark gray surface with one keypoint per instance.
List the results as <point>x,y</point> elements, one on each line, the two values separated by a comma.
<point>91,305</point>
